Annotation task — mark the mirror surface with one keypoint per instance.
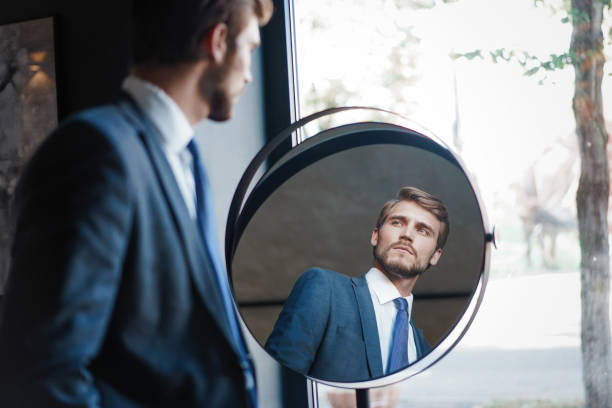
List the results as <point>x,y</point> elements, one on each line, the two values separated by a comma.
<point>323,216</point>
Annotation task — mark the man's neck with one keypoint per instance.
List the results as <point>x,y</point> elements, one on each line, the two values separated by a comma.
<point>179,82</point>
<point>403,285</point>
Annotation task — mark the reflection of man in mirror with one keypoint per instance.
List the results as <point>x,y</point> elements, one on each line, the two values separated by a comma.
<point>350,329</point>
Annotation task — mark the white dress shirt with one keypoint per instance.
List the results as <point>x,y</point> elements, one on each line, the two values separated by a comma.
<point>174,133</point>
<point>383,291</point>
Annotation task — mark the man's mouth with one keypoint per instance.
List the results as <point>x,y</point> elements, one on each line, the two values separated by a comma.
<point>405,248</point>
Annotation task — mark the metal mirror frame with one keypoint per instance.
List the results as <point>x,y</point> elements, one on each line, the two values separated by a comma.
<point>250,195</point>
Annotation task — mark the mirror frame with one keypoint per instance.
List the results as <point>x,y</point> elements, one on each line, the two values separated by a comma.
<point>250,195</point>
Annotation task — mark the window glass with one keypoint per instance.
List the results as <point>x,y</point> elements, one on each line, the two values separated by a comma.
<point>516,135</point>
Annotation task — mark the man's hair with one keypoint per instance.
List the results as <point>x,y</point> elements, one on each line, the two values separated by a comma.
<point>169,32</point>
<point>429,202</point>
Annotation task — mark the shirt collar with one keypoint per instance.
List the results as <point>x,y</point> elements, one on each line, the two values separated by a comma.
<point>175,131</point>
<point>384,289</point>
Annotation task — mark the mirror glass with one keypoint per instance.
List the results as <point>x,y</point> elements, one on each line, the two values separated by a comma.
<point>317,208</point>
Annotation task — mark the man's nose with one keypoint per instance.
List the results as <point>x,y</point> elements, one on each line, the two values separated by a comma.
<point>248,78</point>
<point>407,233</point>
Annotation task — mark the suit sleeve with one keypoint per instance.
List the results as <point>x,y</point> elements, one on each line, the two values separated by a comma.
<point>301,326</point>
<point>73,219</point>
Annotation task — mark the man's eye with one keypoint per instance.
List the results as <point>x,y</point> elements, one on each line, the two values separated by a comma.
<point>395,222</point>
<point>423,231</point>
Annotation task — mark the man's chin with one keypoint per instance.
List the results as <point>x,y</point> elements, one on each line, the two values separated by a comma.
<point>404,272</point>
<point>221,107</point>
<point>221,115</point>
<point>401,269</point>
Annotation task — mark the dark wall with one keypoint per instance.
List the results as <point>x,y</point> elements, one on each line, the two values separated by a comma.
<point>91,46</point>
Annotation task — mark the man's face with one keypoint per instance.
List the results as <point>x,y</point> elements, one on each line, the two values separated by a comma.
<point>233,73</point>
<point>405,245</point>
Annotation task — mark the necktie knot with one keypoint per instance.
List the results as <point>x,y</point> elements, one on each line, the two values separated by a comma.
<point>401,304</point>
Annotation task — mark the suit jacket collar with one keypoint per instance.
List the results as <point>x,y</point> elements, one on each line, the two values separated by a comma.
<point>197,256</point>
<point>368,326</point>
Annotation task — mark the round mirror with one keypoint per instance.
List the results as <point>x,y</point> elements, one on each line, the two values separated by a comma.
<point>317,267</point>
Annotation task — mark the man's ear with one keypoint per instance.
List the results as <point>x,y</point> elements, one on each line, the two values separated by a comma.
<point>435,257</point>
<point>214,43</point>
<point>374,238</point>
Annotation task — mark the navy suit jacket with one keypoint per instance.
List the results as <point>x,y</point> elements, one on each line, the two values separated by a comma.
<point>112,299</point>
<point>327,329</point>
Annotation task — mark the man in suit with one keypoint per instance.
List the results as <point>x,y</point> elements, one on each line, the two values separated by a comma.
<point>118,296</point>
<point>338,328</point>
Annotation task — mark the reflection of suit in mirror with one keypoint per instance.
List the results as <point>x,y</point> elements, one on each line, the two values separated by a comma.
<point>338,328</point>
<point>327,329</point>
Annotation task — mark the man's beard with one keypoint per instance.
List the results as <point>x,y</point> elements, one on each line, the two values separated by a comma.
<point>215,90</point>
<point>220,106</point>
<point>398,269</point>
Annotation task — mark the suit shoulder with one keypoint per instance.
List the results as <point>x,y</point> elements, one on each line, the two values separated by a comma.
<point>103,130</point>
<point>100,138</point>
<point>107,120</point>
<point>320,274</point>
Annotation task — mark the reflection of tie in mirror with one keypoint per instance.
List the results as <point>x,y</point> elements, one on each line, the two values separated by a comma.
<point>317,281</point>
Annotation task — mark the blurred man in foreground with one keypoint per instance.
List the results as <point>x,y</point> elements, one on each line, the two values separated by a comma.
<point>118,296</point>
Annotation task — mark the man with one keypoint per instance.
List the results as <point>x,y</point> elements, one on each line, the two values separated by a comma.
<point>118,295</point>
<point>337,328</point>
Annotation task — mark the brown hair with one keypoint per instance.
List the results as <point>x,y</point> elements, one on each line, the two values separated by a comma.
<point>169,32</point>
<point>429,202</point>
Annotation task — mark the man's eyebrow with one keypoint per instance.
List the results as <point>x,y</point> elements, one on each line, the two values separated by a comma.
<point>425,225</point>
<point>398,217</point>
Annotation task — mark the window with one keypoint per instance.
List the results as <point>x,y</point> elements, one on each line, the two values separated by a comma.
<point>516,135</point>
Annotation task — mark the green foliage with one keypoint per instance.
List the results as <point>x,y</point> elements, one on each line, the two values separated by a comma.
<point>576,16</point>
<point>502,54</point>
<point>531,64</point>
<point>564,6</point>
<point>532,71</point>
<point>468,55</point>
<point>415,4</point>
<point>554,6</point>
<point>421,4</point>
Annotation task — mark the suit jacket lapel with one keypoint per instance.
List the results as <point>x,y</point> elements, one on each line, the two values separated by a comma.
<point>368,325</point>
<point>199,261</point>
<point>419,341</point>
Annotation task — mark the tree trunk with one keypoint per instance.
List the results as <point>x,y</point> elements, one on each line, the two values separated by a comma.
<point>592,202</point>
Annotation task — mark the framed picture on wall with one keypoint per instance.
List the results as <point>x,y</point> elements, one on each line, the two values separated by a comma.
<point>28,110</point>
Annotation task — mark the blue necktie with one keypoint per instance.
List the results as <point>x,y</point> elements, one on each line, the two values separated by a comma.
<point>398,356</point>
<point>206,224</point>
